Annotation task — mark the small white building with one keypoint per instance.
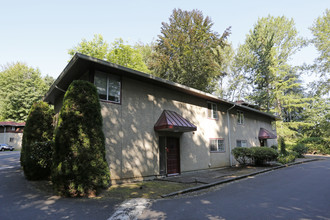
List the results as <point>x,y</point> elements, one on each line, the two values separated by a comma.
<point>11,133</point>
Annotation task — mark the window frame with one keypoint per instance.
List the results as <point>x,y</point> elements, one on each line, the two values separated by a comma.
<point>219,150</point>
<point>108,75</point>
<point>212,110</point>
<point>240,117</point>
<point>241,141</point>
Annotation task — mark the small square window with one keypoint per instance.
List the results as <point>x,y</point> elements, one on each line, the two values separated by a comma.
<point>241,143</point>
<point>273,125</point>
<point>11,139</point>
<point>212,111</point>
<point>217,145</point>
<point>240,117</point>
<point>108,86</point>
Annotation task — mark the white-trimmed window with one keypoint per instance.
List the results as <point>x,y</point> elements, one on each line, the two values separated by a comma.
<point>241,143</point>
<point>108,86</point>
<point>273,125</point>
<point>212,111</point>
<point>217,145</point>
<point>240,117</point>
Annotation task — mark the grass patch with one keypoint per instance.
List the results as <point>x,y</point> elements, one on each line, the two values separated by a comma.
<point>147,189</point>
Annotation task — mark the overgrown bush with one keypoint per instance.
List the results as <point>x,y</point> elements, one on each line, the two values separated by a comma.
<point>79,164</point>
<point>36,153</point>
<point>285,159</point>
<point>300,149</point>
<point>260,155</point>
<point>317,145</point>
<point>242,155</point>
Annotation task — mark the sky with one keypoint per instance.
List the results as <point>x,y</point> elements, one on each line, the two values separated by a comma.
<point>40,32</point>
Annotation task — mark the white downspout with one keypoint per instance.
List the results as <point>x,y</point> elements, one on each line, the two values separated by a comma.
<point>229,137</point>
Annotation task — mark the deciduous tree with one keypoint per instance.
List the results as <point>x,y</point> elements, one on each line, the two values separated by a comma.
<point>183,53</point>
<point>20,87</point>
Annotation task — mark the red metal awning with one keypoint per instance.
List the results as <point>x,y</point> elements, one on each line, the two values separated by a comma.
<point>265,134</point>
<point>172,121</point>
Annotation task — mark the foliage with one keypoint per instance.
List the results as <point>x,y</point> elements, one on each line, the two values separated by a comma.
<point>264,60</point>
<point>126,55</point>
<point>274,147</point>
<point>317,145</point>
<point>242,155</point>
<point>79,164</point>
<point>21,86</point>
<point>97,47</point>
<point>183,53</point>
<point>260,155</point>
<point>37,142</point>
<point>282,146</point>
<point>119,52</point>
<point>321,40</point>
<point>285,159</point>
<point>300,149</point>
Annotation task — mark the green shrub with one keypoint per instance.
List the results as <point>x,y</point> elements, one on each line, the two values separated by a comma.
<point>318,145</point>
<point>285,159</point>
<point>300,149</point>
<point>79,164</point>
<point>242,155</point>
<point>262,154</point>
<point>274,147</point>
<point>36,153</point>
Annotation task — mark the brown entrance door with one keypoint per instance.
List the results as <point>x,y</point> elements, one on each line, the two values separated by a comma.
<point>173,155</point>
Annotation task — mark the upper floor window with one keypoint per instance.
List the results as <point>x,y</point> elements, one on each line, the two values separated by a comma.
<point>273,125</point>
<point>217,145</point>
<point>108,86</point>
<point>240,117</point>
<point>241,143</point>
<point>212,110</point>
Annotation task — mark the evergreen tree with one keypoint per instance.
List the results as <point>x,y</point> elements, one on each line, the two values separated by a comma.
<point>79,164</point>
<point>36,153</point>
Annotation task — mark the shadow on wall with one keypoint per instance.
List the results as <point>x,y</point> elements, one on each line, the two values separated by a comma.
<point>132,144</point>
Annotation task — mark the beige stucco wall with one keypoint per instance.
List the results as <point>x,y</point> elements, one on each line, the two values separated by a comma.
<point>132,143</point>
<point>16,143</point>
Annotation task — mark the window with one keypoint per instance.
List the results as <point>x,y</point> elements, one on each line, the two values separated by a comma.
<point>217,145</point>
<point>240,117</point>
<point>212,110</point>
<point>13,128</point>
<point>11,139</point>
<point>273,125</point>
<point>241,143</point>
<point>108,86</point>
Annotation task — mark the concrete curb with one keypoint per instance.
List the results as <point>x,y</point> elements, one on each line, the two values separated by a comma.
<point>192,189</point>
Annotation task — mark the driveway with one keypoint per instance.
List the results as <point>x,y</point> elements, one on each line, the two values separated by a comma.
<point>297,192</point>
<point>22,199</point>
